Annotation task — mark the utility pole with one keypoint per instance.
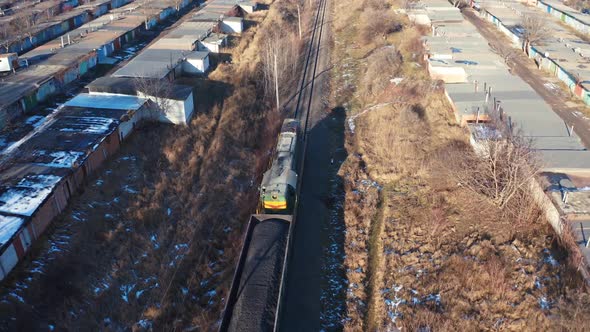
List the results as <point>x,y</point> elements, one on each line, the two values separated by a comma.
<point>276,80</point>
<point>299,19</point>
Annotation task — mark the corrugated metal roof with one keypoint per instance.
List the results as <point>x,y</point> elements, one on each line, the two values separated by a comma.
<point>119,102</point>
<point>198,55</point>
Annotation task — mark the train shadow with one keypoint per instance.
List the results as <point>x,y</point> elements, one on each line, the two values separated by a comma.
<point>316,268</point>
<point>334,281</point>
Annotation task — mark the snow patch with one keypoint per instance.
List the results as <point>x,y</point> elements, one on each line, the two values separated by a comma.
<point>64,159</point>
<point>544,303</point>
<point>18,297</point>
<point>35,120</point>
<point>8,227</point>
<point>138,293</point>
<point>126,289</point>
<point>103,285</point>
<point>26,197</point>
<point>145,324</point>
<point>90,125</point>
<point>154,239</point>
<point>130,190</point>
<point>549,258</point>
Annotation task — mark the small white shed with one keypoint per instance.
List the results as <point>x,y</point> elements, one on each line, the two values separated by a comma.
<point>8,62</point>
<point>232,25</point>
<point>248,6</point>
<point>213,43</point>
<point>196,62</point>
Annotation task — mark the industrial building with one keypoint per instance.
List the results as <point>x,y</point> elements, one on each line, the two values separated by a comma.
<point>478,83</point>
<point>49,167</point>
<point>42,171</point>
<point>63,60</point>
<point>67,15</point>
<point>183,51</point>
<point>562,54</point>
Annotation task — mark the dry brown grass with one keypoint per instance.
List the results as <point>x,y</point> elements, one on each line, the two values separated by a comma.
<point>382,66</point>
<point>167,218</point>
<point>453,258</point>
<point>376,23</point>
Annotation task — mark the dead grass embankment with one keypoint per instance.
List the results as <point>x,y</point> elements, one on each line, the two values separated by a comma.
<point>423,252</point>
<point>155,237</point>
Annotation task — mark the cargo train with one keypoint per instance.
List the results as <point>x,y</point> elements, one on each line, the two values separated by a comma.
<point>254,295</point>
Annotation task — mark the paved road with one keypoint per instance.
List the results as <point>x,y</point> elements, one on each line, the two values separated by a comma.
<point>301,302</point>
<point>569,109</point>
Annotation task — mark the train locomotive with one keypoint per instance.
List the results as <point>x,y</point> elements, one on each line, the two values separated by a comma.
<point>279,182</point>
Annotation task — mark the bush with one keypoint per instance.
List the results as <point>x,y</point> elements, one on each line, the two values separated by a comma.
<point>383,65</point>
<point>375,24</point>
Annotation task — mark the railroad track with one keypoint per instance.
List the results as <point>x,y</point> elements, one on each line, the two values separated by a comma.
<point>305,93</point>
<point>264,261</point>
<point>303,110</point>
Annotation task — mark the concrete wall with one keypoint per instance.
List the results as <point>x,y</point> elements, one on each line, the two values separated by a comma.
<point>8,261</point>
<point>127,127</point>
<point>564,17</point>
<point>248,8</point>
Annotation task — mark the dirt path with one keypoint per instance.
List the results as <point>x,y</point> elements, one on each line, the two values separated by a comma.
<point>569,109</point>
<point>301,304</point>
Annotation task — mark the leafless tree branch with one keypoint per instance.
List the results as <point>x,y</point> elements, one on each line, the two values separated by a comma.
<point>159,91</point>
<point>535,29</point>
<point>284,47</point>
<point>503,166</point>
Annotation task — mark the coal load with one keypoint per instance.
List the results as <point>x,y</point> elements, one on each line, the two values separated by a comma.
<point>257,296</point>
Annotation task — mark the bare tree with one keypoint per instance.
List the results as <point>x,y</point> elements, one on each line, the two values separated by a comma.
<point>50,12</point>
<point>374,22</point>
<point>507,53</point>
<point>461,3</point>
<point>409,4</point>
<point>24,24</point>
<point>383,64</point>
<point>6,36</point>
<point>279,62</point>
<point>177,4</point>
<point>534,30</point>
<point>502,168</point>
<point>158,91</point>
<point>145,10</point>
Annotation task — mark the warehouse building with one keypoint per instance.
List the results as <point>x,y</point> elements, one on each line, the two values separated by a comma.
<point>64,60</point>
<point>563,54</point>
<point>213,43</point>
<point>489,91</point>
<point>49,167</point>
<point>480,87</point>
<point>66,19</point>
<point>43,170</point>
